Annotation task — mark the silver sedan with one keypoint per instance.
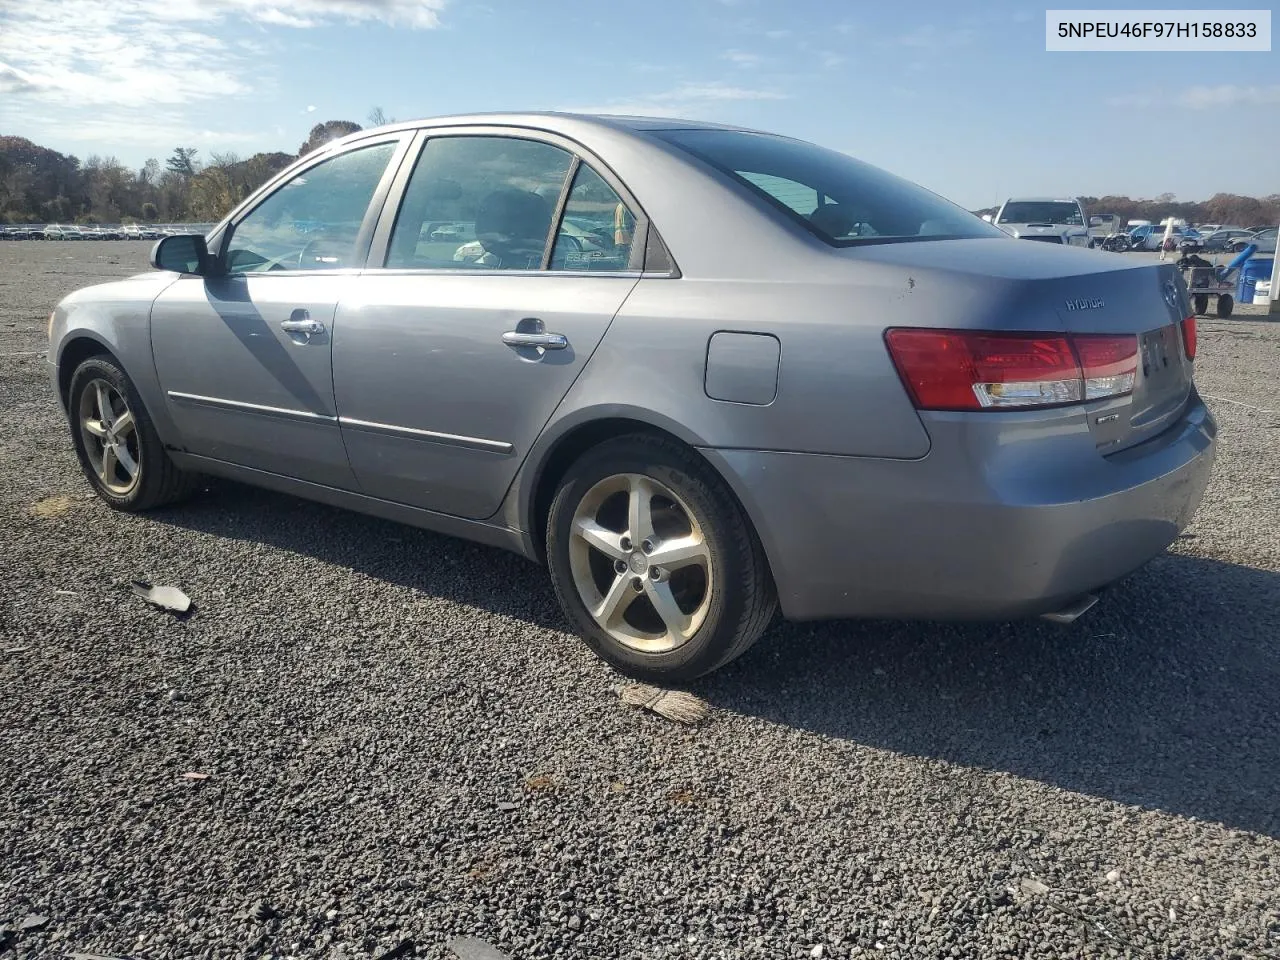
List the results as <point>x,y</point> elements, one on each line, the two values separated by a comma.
<point>700,372</point>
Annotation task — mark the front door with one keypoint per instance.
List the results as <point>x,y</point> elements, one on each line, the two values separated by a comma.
<point>449,361</point>
<point>245,356</point>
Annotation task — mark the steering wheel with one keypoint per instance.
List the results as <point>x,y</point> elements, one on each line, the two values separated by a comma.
<point>302,254</point>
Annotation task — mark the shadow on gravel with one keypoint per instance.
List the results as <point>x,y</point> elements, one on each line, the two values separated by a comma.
<point>1166,695</point>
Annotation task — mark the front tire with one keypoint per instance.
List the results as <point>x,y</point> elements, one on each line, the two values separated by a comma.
<point>654,563</point>
<point>1226,304</point>
<point>116,442</point>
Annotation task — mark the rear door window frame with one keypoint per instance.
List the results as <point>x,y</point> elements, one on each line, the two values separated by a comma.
<point>381,240</point>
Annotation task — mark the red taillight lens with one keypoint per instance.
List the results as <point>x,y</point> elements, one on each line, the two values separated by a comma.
<point>978,370</point>
<point>1189,337</point>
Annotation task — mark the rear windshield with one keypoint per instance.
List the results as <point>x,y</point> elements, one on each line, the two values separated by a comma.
<point>1042,211</point>
<point>844,201</point>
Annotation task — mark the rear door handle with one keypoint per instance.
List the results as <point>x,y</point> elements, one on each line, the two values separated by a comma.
<point>549,341</point>
<point>530,332</point>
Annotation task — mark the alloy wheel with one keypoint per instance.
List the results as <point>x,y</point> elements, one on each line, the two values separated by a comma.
<point>641,563</point>
<point>110,435</point>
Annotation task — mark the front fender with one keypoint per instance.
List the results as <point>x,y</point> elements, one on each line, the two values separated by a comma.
<point>115,318</point>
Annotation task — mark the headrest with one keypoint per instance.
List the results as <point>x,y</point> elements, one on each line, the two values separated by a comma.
<point>513,222</point>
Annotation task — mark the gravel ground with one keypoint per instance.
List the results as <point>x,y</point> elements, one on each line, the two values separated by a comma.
<point>402,742</point>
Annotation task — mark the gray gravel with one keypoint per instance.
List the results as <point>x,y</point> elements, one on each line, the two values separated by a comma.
<point>402,742</point>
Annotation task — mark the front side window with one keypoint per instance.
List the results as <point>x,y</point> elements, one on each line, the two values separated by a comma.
<point>844,201</point>
<point>479,202</point>
<point>313,221</point>
<point>597,229</point>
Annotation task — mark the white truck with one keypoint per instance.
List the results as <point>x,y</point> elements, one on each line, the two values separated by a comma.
<point>1047,219</point>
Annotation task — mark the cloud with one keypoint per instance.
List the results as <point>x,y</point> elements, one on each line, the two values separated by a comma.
<point>415,14</point>
<point>777,34</point>
<point>717,91</point>
<point>88,54</point>
<point>693,100</point>
<point>1201,98</point>
<point>742,58</point>
<point>311,108</point>
<point>16,81</point>
<point>1227,95</point>
<point>831,60</point>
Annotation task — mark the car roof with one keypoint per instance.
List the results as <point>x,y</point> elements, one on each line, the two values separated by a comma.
<point>557,121</point>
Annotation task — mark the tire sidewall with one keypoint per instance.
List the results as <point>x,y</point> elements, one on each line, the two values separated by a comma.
<point>717,514</point>
<point>101,368</point>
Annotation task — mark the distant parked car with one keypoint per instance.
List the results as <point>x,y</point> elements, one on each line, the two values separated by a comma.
<point>60,232</point>
<point>1215,242</point>
<point>1265,240</point>
<point>1050,220</point>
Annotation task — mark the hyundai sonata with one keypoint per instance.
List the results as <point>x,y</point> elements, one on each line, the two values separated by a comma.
<point>775,377</point>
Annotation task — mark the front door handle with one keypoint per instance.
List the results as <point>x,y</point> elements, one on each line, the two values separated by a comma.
<point>300,322</point>
<point>530,332</point>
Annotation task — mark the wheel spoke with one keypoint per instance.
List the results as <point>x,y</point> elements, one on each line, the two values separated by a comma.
<point>96,427</point>
<point>601,538</point>
<point>639,510</point>
<point>615,602</point>
<point>105,414</point>
<point>680,552</point>
<point>664,602</point>
<point>109,462</point>
<point>126,460</point>
<point>124,425</point>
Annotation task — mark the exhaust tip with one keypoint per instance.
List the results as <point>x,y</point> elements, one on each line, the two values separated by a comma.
<point>1073,611</point>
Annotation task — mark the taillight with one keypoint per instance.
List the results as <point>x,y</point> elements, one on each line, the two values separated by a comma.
<point>979,370</point>
<point>1189,336</point>
<point>1108,364</point>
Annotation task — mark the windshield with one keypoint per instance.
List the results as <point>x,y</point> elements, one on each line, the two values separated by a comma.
<point>844,201</point>
<point>1060,212</point>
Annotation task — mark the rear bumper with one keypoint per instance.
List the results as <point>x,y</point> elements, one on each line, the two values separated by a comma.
<point>992,524</point>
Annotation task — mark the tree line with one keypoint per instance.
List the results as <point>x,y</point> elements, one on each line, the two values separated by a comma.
<point>1225,208</point>
<point>39,185</point>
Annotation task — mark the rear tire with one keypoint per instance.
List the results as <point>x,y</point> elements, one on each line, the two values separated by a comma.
<point>650,619</point>
<point>116,442</point>
<point>1226,303</point>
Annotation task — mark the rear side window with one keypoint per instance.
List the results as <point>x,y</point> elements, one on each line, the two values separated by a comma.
<point>844,201</point>
<point>479,202</point>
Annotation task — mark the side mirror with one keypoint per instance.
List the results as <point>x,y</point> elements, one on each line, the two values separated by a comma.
<point>986,217</point>
<point>182,253</point>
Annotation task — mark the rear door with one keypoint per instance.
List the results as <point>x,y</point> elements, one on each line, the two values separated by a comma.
<point>500,272</point>
<point>244,357</point>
